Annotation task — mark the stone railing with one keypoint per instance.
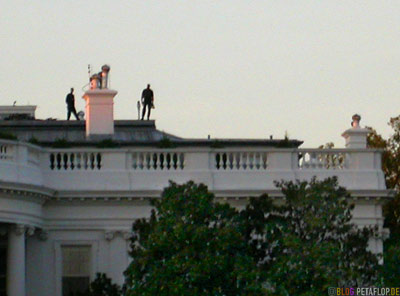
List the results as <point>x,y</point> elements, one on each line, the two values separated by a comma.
<point>241,160</point>
<point>153,159</point>
<point>63,160</point>
<point>323,159</point>
<point>156,160</point>
<point>6,151</point>
<point>143,168</point>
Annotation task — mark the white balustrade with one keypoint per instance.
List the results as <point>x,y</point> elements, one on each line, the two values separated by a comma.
<point>6,152</point>
<point>327,159</point>
<point>151,159</point>
<point>150,168</point>
<point>158,160</point>
<point>239,160</point>
<point>64,160</point>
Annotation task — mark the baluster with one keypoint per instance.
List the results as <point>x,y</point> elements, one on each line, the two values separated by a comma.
<point>98,158</point>
<point>309,160</point>
<point>175,161</point>
<point>72,161</point>
<point>303,162</point>
<point>258,160</point>
<point>322,161</point>
<point>168,160</point>
<point>134,160</point>
<point>224,160</point>
<point>265,161</point>
<point>251,159</point>
<point>155,161</point>
<point>78,160</point>
<point>147,160</point>
<point>141,160</point>
<point>217,161</point>
<point>92,160</point>
<point>230,160</point>
<point>181,161</point>
<point>58,161</point>
<point>336,161</point>
<point>52,158</point>
<point>85,161</point>
<point>65,160</point>
<point>236,160</point>
<point>341,160</point>
<point>161,160</point>
<point>246,162</point>
<point>240,161</point>
<point>312,159</point>
<point>140,157</point>
<point>330,161</point>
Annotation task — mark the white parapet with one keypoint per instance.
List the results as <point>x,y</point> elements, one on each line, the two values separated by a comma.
<point>356,136</point>
<point>99,112</point>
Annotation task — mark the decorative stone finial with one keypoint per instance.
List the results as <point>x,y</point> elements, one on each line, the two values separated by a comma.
<point>100,80</point>
<point>356,121</point>
<point>105,69</point>
<point>94,81</point>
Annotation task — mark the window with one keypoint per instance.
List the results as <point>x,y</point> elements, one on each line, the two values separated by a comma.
<point>75,269</point>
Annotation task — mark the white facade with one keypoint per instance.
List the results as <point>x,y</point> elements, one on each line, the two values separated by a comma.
<point>52,200</point>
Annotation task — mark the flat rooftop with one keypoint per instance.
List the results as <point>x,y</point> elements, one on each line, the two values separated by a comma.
<point>126,132</point>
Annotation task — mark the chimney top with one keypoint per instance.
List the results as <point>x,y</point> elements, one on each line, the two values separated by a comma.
<point>356,121</point>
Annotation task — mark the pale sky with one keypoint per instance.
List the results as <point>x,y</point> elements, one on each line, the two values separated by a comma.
<point>229,69</point>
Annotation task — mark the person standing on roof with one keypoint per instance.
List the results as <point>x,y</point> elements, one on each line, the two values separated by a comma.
<point>147,101</point>
<point>70,100</point>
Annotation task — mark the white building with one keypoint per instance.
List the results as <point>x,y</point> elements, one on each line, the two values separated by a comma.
<point>66,213</point>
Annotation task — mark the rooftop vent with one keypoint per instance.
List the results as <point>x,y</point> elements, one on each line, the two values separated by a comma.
<point>17,112</point>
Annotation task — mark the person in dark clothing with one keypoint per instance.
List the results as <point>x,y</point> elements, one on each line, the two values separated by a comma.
<point>70,100</point>
<point>147,101</point>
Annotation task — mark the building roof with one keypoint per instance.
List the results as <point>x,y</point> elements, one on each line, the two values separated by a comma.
<point>126,133</point>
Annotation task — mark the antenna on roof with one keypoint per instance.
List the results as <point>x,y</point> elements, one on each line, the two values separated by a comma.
<point>89,68</point>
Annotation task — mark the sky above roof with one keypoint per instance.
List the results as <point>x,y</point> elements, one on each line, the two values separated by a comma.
<point>229,69</point>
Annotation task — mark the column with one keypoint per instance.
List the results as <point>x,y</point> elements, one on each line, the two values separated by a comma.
<point>16,261</point>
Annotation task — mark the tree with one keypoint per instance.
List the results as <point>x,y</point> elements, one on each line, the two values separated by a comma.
<point>391,210</point>
<point>191,245</point>
<point>308,243</point>
<point>101,286</point>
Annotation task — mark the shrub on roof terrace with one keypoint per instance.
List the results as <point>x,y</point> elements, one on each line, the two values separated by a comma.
<point>7,136</point>
<point>61,143</point>
<point>216,144</point>
<point>166,143</point>
<point>34,141</point>
<point>108,143</point>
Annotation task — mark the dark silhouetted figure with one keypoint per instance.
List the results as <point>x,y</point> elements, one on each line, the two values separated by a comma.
<point>70,100</point>
<point>147,101</point>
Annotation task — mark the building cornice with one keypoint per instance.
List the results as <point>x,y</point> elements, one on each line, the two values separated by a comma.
<point>28,192</point>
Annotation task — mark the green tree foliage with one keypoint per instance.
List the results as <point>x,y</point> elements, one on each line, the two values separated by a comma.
<point>308,243</point>
<point>101,286</point>
<point>391,169</point>
<point>299,245</point>
<point>191,245</point>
